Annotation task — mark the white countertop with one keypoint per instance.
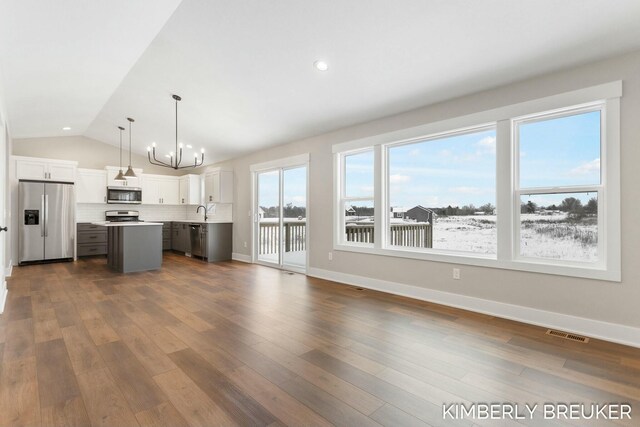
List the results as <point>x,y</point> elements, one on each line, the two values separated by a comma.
<point>200,221</point>
<point>124,224</point>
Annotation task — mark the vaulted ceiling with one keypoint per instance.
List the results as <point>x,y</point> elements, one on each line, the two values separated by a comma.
<point>245,67</point>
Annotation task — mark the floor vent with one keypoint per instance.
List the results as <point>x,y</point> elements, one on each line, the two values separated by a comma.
<point>567,336</point>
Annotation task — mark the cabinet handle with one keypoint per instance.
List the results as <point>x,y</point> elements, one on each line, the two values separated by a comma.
<point>210,198</point>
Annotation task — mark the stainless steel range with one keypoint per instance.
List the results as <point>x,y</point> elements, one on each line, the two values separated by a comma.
<point>122,216</point>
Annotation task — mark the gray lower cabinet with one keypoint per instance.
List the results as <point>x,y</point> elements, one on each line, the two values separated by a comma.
<point>92,239</point>
<point>180,237</point>
<point>219,238</point>
<point>166,236</point>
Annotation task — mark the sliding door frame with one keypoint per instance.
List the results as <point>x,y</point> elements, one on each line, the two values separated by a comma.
<point>279,165</point>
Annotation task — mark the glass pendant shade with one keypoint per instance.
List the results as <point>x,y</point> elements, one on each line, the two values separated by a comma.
<point>120,176</point>
<point>130,173</point>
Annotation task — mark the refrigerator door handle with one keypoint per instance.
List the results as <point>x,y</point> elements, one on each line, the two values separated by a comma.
<point>42,213</point>
<point>46,215</point>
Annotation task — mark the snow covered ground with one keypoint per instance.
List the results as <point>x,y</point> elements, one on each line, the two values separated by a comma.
<point>541,236</point>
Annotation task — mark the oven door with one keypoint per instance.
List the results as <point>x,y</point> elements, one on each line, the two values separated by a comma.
<point>124,195</point>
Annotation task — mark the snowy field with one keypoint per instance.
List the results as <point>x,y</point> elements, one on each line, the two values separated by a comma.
<point>542,236</point>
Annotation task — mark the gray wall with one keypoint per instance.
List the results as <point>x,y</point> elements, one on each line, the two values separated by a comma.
<point>606,301</point>
<point>89,153</point>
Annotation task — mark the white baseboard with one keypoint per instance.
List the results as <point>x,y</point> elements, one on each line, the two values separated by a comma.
<point>240,257</point>
<point>613,332</point>
<point>3,295</point>
<point>8,270</point>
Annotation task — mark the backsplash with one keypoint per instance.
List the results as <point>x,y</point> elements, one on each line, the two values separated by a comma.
<point>218,211</point>
<point>86,212</point>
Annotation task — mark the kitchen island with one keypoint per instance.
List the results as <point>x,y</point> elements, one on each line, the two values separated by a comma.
<point>133,246</point>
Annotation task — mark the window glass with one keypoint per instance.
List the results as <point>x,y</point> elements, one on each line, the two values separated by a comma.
<point>358,220</point>
<point>359,175</point>
<point>561,151</point>
<point>559,226</point>
<point>442,193</point>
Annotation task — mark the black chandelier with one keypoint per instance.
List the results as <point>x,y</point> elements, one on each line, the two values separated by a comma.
<point>175,157</point>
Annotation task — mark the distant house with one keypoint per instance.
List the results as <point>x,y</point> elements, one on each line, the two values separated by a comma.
<point>421,214</point>
<point>350,211</point>
<point>261,213</point>
<point>397,212</point>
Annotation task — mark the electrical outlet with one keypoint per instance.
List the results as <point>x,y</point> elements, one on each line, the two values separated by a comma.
<point>456,273</point>
<point>330,256</point>
<point>245,244</point>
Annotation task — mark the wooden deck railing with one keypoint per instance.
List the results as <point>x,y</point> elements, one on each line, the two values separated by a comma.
<point>418,235</point>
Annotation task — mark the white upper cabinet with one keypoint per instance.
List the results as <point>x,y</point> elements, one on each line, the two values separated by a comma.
<point>91,186</point>
<point>45,169</point>
<point>190,190</point>
<point>160,190</point>
<point>218,186</point>
<point>112,171</point>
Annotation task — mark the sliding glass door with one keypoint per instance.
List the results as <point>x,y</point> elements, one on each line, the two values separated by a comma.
<point>281,217</point>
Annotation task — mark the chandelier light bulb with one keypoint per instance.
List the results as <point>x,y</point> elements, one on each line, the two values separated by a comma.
<point>153,144</point>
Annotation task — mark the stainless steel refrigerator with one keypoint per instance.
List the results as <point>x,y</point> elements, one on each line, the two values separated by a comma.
<point>47,221</point>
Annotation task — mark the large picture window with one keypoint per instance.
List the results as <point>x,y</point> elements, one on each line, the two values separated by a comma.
<point>559,167</point>
<point>533,186</point>
<point>442,193</point>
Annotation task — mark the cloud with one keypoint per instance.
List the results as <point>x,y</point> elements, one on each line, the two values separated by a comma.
<point>399,179</point>
<point>415,152</point>
<point>487,144</point>
<point>467,190</point>
<point>587,168</point>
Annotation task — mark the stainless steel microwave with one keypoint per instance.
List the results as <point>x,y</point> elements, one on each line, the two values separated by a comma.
<point>122,195</point>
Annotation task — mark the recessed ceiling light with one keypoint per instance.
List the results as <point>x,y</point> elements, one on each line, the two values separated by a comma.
<point>66,128</point>
<point>321,65</point>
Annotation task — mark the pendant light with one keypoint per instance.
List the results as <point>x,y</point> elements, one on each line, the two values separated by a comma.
<point>174,163</point>
<point>120,176</point>
<point>130,173</point>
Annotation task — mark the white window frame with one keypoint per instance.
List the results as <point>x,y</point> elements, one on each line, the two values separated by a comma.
<point>599,189</point>
<point>608,266</point>
<point>344,198</point>
<point>387,206</point>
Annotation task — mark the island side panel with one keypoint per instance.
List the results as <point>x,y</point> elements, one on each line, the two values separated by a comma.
<point>219,242</point>
<point>141,248</point>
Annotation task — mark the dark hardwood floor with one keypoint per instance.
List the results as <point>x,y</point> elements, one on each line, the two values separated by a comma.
<point>237,344</point>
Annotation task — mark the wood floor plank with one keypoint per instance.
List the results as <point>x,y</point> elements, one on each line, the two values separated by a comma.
<point>331,408</point>
<point>20,341</point>
<point>149,354</point>
<point>242,408</point>
<point>281,404</point>
<point>19,402</point>
<point>100,331</point>
<point>192,403</point>
<point>71,413</point>
<point>334,385</point>
<point>134,381</point>
<point>82,351</point>
<point>56,379</point>
<point>103,400</point>
<point>390,416</point>
<point>163,415</point>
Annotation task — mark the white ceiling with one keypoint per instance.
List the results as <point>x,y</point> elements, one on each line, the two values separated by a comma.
<point>244,67</point>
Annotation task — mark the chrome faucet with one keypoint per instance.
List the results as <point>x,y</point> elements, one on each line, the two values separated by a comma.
<point>205,211</point>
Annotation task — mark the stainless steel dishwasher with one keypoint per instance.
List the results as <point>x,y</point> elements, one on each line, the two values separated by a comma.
<point>198,235</point>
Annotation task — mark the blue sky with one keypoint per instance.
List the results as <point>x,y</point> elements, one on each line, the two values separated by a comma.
<point>460,170</point>
<point>295,187</point>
